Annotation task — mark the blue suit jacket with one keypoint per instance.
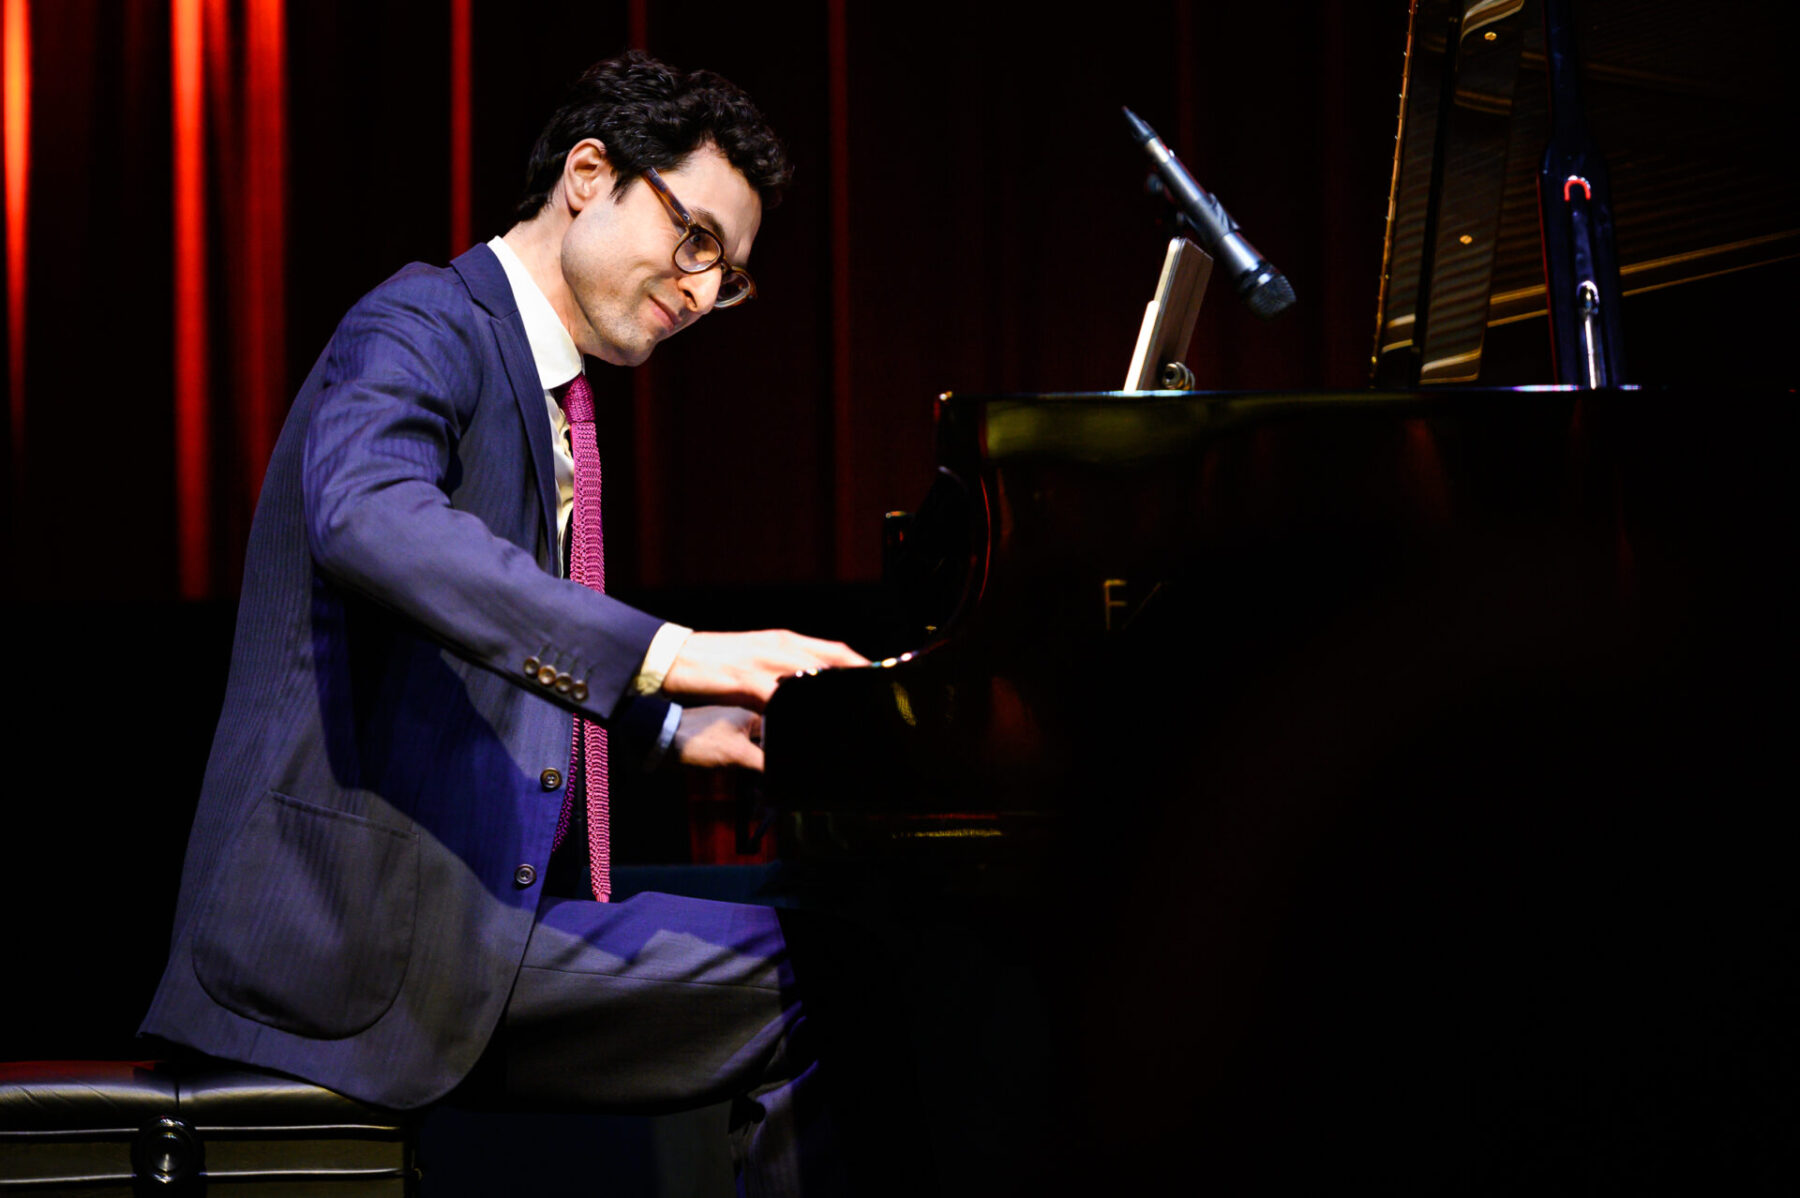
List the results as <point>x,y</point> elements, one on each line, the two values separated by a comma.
<point>353,908</point>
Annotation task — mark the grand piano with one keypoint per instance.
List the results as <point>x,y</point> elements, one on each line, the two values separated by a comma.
<point>1400,772</point>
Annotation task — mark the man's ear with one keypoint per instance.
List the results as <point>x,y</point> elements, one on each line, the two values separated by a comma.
<point>587,174</point>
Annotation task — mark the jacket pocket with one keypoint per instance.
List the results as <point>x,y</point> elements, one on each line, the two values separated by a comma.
<point>309,922</point>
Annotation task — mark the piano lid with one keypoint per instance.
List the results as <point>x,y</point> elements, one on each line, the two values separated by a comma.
<point>1689,106</point>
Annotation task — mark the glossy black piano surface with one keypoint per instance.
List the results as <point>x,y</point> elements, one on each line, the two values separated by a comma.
<point>1100,582</point>
<point>1297,788</point>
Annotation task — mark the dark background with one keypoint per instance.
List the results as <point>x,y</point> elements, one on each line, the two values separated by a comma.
<point>967,215</point>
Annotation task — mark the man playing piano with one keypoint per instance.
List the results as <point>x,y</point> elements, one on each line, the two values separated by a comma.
<point>399,866</point>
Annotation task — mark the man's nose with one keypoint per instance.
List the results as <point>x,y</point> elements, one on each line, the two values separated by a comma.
<point>701,290</point>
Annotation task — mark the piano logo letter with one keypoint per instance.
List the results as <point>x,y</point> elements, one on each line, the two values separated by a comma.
<point>1111,601</point>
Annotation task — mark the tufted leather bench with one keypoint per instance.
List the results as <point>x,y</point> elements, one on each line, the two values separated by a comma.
<point>187,1127</point>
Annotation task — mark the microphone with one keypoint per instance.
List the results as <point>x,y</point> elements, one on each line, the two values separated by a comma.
<point>1262,286</point>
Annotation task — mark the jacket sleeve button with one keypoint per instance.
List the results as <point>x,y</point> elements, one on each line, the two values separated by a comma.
<point>531,667</point>
<point>550,779</point>
<point>562,683</point>
<point>524,876</point>
<point>578,690</point>
<point>546,675</point>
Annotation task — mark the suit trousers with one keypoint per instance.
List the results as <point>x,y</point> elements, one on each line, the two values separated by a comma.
<point>662,1003</point>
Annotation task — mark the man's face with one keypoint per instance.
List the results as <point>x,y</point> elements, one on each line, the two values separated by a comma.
<point>618,255</point>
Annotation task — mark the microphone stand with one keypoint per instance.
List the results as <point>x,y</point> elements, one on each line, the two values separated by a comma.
<point>1581,270</point>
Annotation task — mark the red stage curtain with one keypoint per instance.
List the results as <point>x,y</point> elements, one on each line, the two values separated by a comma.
<point>213,182</point>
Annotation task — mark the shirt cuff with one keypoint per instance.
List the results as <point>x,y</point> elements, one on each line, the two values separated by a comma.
<point>671,721</point>
<point>664,646</point>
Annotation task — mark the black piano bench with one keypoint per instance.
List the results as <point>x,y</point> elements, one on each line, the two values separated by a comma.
<point>190,1128</point>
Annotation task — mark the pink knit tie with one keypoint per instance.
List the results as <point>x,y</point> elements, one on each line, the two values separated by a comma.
<point>587,565</point>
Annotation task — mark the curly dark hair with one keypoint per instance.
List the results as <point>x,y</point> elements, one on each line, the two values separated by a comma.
<point>648,113</point>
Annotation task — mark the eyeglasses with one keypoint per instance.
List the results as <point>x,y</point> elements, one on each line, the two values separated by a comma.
<point>699,250</point>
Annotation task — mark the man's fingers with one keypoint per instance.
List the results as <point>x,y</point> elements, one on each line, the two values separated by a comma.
<point>743,667</point>
<point>790,653</point>
<point>719,736</point>
<point>836,653</point>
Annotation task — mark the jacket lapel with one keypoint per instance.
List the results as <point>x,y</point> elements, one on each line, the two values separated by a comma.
<point>486,280</point>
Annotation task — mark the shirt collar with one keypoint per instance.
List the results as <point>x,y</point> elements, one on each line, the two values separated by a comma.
<point>554,351</point>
